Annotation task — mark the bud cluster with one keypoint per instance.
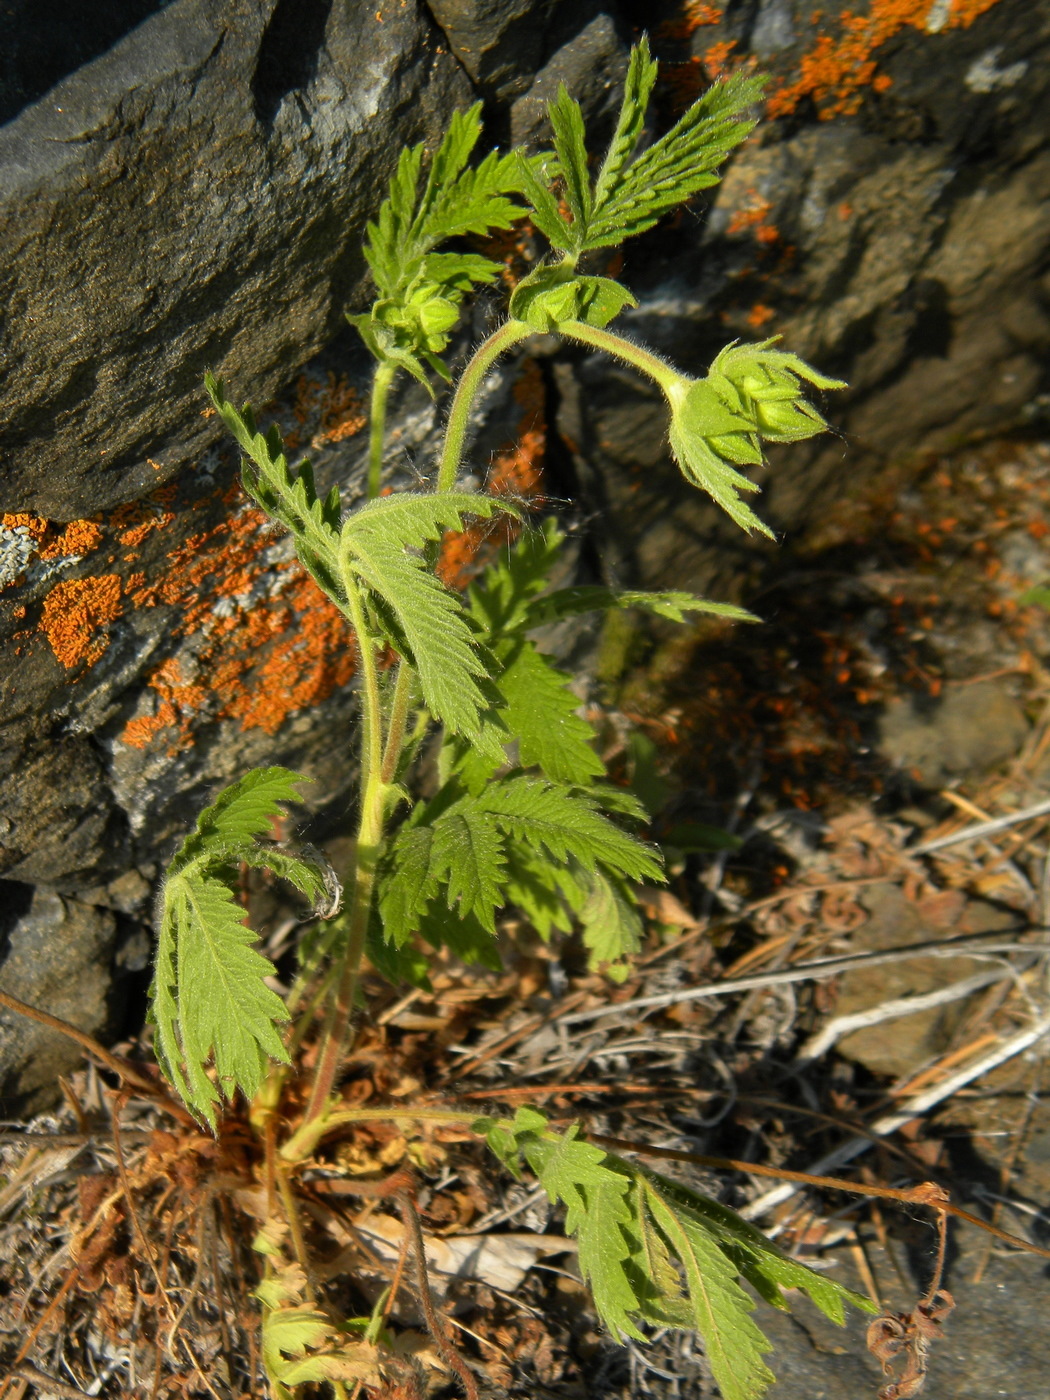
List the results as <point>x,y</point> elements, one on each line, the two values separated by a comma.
<point>718,423</point>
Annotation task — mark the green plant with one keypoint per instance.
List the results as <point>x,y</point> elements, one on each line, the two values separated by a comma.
<point>521,814</point>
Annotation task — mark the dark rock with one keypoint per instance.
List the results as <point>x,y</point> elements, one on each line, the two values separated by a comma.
<point>592,67</point>
<point>190,200</point>
<point>56,957</point>
<point>500,43</point>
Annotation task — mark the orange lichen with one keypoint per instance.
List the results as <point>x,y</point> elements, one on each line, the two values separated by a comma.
<point>35,525</point>
<point>695,15</point>
<point>835,72</point>
<point>333,404</point>
<point>269,643</point>
<point>79,537</point>
<point>715,60</point>
<point>74,614</point>
<point>759,315</point>
<point>54,540</point>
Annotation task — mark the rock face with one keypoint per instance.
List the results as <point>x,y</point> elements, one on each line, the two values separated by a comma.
<point>184,186</point>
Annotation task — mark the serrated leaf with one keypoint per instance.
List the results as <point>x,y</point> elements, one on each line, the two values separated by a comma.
<point>766,1268</point>
<point>570,146</point>
<point>705,467</point>
<point>407,884</point>
<point>611,924</point>
<point>213,1004</point>
<point>540,712</point>
<point>561,603</point>
<point>543,206</point>
<point>596,1196</point>
<point>209,1002</point>
<point>376,542</point>
<point>721,1310</point>
<point>458,852</point>
<point>563,823</point>
<point>287,496</point>
<point>634,190</point>
<point>468,853</point>
<point>637,88</point>
<point>454,200</point>
<point>634,196</point>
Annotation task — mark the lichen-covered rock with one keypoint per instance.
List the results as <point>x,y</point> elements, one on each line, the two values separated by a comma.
<point>892,224</point>
<point>193,196</point>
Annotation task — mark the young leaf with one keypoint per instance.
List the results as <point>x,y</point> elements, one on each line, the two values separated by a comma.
<point>699,423</point>
<point>634,190</point>
<point>683,162</point>
<point>209,1001</point>
<point>420,291</point>
<point>570,146</point>
<point>287,497</point>
<point>376,544</point>
<point>454,201</point>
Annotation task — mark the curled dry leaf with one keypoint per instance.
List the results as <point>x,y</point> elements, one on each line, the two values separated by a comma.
<point>896,1337</point>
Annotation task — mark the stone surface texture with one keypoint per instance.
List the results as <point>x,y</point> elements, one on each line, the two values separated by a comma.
<point>185,186</point>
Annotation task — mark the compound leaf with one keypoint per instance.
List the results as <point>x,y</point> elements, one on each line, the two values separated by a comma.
<point>570,602</point>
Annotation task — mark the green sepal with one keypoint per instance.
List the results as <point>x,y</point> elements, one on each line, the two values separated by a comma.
<point>555,294</point>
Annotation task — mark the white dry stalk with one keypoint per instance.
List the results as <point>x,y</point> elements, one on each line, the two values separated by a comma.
<point>825,1038</point>
<point>913,1108</point>
<point>978,829</point>
<point>982,946</point>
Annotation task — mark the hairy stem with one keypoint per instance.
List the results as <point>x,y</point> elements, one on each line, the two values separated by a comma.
<point>510,333</point>
<point>395,731</point>
<point>381,382</point>
<point>656,368</point>
<point>369,842</point>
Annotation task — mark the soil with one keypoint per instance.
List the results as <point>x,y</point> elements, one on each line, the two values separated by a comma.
<point>897,695</point>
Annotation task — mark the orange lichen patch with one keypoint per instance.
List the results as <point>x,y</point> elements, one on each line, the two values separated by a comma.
<point>835,72</point>
<point>759,315</point>
<point>753,215</point>
<point>268,642</point>
<point>135,520</point>
<point>517,470</point>
<point>34,525</point>
<point>53,540</point>
<point>333,405</point>
<point>695,15</point>
<point>74,614</point>
<point>79,537</point>
<point>715,60</point>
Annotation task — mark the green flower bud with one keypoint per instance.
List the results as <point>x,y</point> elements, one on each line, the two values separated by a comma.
<point>768,385</point>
